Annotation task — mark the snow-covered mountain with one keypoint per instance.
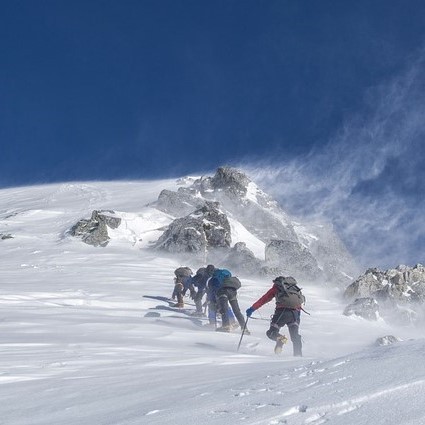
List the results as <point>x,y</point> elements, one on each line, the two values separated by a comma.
<point>87,335</point>
<point>227,219</point>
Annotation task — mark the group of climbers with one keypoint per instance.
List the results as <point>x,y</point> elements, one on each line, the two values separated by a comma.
<point>220,288</point>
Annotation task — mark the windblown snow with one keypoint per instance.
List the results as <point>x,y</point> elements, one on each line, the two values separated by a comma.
<point>87,335</point>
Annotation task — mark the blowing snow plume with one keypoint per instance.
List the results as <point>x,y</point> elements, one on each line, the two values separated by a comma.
<point>369,179</point>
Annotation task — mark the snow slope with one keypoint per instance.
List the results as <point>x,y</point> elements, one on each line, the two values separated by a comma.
<point>86,336</point>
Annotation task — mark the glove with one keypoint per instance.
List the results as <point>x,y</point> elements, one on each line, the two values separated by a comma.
<point>249,311</point>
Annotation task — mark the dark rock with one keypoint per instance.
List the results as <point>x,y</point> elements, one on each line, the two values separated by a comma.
<point>294,258</point>
<point>386,340</point>
<point>95,230</point>
<point>324,255</point>
<point>261,215</point>
<point>178,203</point>
<point>366,285</point>
<point>400,292</point>
<point>205,228</point>
<point>400,285</point>
<point>242,259</point>
<point>231,181</point>
<point>273,271</point>
<point>367,308</point>
<point>4,236</point>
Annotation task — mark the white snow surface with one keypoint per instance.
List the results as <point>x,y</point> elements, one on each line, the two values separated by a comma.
<point>241,234</point>
<point>83,340</point>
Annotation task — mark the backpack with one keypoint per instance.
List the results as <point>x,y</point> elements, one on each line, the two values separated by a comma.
<point>231,282</point>
<point>221,274</point>
<point>200,278</point>
<point>201,272</point>
<point>182,273</point>
<point>288,294</point>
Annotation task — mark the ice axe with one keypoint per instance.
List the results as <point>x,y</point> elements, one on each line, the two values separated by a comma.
<point>243,331</point>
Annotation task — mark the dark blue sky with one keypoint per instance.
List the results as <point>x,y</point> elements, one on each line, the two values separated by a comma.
<point>144,89</point>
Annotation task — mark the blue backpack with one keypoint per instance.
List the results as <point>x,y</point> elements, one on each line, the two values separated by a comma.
<point>221,274</point>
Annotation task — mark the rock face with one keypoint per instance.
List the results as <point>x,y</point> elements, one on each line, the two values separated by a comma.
<point>237,196</point>
<point>400,285</point>
<point>207,227</point>
<point>4,236</point>
<point>400,292</point>
<point>94,231</point>
<point>201,215</point>
<point>240,259</point>
<point>386,340</point>
<point>307,251</point>
<point>292,258</point>
<point>178,203</point>
<point>363,307</point>
<point>231,181</point>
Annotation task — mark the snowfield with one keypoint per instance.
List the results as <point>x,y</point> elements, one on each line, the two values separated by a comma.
<point>87,335</point>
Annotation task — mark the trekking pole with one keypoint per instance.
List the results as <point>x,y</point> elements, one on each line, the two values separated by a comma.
<point>260,318</point>
<point>243,331</point>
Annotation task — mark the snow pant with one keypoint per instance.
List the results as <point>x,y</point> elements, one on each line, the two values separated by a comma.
<point>198,299</point>
<point>178,292</point>
<point>212,313</point>
<point>225,297</point>
<point>291,318</point>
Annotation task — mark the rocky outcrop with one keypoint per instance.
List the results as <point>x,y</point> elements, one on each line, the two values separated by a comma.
<point>256,210</point>
<point>178,203</point>
<point>292,258</point>
<point>231,181</point>
<point>241,259</point>
<point>309,251</point>
<point>400,292</point>
<point>273,271</point>
<point>400,285</point>
<point>366,285</point>
<point>367,308</point>
<point>206,227</point>
<point>386,340</point>
<point>238,195</point>
<point>4,236</point>
<point>94,231</point>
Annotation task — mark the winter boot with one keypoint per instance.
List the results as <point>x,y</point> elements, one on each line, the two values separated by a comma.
<point>280,340</point>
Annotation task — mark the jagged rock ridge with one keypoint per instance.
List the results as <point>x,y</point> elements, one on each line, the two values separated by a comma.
<point>403,284</point>
<point>366,307</point>
<point>204,211</point>
<point>308,251</point>
<point>94,231</point>
<point>400,292</point>
<point>207,227</point>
